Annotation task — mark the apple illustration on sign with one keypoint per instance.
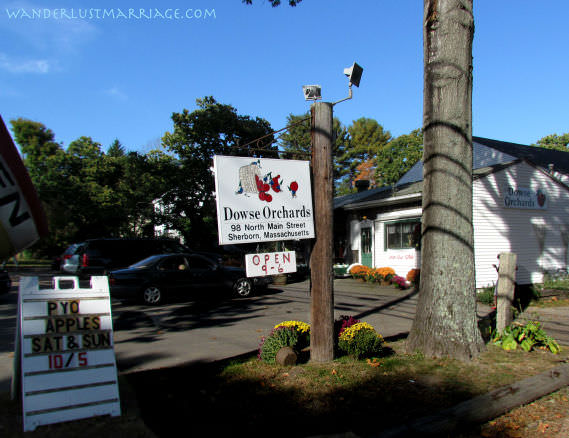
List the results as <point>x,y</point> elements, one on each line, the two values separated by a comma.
<point>293,188</point>
<point>540,198</point>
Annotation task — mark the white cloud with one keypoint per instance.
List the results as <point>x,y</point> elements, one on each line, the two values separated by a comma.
<point>40,66</point>
<point>116,94</point>
<point>61,36</point>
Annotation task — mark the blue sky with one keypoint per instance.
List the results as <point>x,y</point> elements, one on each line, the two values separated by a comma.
<point>123,78</point>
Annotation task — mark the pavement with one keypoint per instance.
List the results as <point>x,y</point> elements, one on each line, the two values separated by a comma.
<point>206,331</point>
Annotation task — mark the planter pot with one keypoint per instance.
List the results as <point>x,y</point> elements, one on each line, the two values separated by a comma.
<point>279,279</point>
<point>384,283</point>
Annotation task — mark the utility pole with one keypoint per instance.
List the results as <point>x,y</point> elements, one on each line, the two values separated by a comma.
<point>321,267</point>
<point>321,259</point>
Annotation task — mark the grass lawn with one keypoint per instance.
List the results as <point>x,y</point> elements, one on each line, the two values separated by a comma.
<point>250,398</point>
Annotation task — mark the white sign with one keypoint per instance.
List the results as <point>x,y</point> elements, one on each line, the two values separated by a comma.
<point>67,361</point>
<point>525,198</point>
<point>271,263</point>
<point>262,199</point>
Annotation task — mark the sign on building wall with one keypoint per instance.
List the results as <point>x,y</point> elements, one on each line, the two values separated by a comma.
<point>525,198</point>
<point>262,199</point>
<point>67,361</point>
<point>272,263</point>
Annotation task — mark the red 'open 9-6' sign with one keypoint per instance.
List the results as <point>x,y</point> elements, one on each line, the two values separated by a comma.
<point>272,263</point>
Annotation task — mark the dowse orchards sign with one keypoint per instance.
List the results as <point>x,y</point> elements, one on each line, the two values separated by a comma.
<point>262,199</point>
<point>525,198</point>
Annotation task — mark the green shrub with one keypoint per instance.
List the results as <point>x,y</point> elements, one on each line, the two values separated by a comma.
<point>527,336</point>
<point>280,337</point>
<point>486,295</point>
<point>360,341</point>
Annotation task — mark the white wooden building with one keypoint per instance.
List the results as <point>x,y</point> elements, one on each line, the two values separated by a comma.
<point>520,205</point>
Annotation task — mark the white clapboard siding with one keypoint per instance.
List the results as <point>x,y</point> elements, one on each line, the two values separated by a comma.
<point>498,229</point>
<point>401,260</point>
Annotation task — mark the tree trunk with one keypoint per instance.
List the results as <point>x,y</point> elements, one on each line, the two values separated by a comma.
<point>445,323</point>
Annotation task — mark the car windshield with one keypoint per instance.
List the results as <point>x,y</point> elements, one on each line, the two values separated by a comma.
<point>71,249</point>
<point>145,263</point>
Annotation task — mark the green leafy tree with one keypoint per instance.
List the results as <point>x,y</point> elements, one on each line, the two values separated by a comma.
<point>116,149</point>
<point>45,160</point>
<point>213,128</point>
<point>366,139</point>
<point>554,141</point>
<point>395,158</point>
<point>296,142</point>
<point>39,149</point>
<point>87,193</point>
<point>144,179</point>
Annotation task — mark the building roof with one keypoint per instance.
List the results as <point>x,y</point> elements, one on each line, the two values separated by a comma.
<point>488,156</point>
<point>488,153</point>
<point>388,194</point>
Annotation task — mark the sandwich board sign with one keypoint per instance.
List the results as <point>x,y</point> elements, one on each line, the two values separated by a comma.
<point>22,219</point>
<point>64,343</point>
<point>262,199</point>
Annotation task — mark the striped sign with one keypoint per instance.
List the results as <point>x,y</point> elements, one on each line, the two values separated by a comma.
<point>67,363</point>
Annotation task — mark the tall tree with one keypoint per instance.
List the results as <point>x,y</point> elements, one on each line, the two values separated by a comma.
<point>213,128</point>
<point>296,141</point>
<point>116,149</point>
<point>397,157</point>
<point>366,139</point>
<point>87,193</point>
<point>44,159</point>
<point>554,141</point>
<point>445,322</point>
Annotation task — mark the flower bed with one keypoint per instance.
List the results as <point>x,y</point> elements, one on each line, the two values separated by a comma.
<point>383,275</point>
<point>413,276</point>
<point>352,337</point>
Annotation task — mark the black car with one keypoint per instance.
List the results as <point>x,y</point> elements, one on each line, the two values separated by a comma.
<point>155,277</point>
<point>99,256</point>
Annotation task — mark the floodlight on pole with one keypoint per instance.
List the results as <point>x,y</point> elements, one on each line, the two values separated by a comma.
<point>354,74</point>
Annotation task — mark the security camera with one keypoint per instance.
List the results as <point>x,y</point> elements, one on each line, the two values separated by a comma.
<point>312,92</point>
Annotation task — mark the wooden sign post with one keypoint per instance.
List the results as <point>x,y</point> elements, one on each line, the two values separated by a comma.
<point>505,291</point>
<point>322,275</point>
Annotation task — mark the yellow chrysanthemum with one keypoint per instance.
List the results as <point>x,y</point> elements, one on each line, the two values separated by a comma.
<point>351,331</point>
<point>299,326</point>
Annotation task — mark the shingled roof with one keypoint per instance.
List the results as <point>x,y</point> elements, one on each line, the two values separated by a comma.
<point>487,155</point>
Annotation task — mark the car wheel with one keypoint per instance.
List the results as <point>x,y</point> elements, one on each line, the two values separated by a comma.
<point>243,287</point>
<point>152,295</point>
